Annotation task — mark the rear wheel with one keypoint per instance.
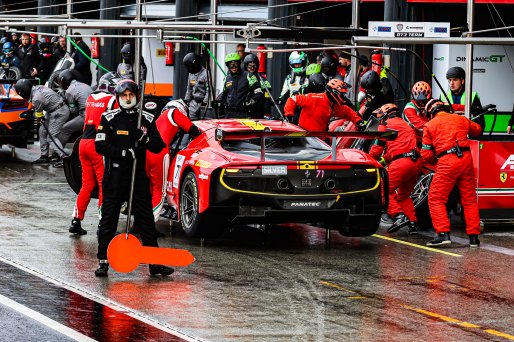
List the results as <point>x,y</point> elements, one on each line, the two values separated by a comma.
<point>194,223</point>
<point>13,73</point>
<point>420,199</point>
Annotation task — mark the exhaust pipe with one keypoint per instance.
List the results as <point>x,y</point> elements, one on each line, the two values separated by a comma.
<point>330,184</point>
<point>282,184</point>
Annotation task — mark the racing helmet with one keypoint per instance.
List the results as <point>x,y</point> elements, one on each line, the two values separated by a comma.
<point>317,83</point>
<point>54,40</point>
<point>251,58</point>
<point>3,41</point>
<point>313,68</point>
<point>107,83</point>
<point>370,81</point>
<point>421,92</point>
<point>336,90</point>
<point>329,65</point>
<point>433,106</point>
<point>298,62</point>
<point>179,104</point>
<point>233,59</point>
<point>387,111</point>
<point>192,62</point>
<point>24,88</point>
<point>65,78</point>
<point>123,86</point>
<point>46,47</point>
<point>126,53</point>
<point>456,72</point>
<point>7,48</point>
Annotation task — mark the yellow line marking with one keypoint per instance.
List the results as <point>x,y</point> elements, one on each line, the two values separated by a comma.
<point>458,322</point>
<point>416,245</point>
<point>339,287</point>
<point>497,333</point>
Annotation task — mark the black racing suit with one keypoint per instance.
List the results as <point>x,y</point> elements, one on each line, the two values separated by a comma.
<point>116,134</point>
<point>241,92</point>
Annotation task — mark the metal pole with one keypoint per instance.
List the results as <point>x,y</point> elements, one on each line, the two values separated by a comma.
<point>137,74</point>
<point>469,63</point>
<point>354,68</point>
<point>109,54</point>
<point>214,21</point>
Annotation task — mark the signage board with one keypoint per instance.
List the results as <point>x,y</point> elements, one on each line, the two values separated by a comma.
<point>405,29</point>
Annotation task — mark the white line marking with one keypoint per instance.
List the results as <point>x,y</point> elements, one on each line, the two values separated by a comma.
<point>44,320</point>
<point>486,246</point>
<point>107,302</point>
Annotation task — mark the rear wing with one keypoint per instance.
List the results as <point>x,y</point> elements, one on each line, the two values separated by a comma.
<point>222,135</point>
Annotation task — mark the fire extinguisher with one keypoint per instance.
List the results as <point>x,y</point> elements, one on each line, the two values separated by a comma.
<point>95,47</point>
<point>377,61</point>
<point>261,56</point>
<point>169,53</point>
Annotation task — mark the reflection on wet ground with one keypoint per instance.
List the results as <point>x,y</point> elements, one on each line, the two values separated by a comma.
<point>280,284</point>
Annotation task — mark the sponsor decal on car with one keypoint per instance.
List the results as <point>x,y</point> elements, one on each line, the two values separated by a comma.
<point>203,176</point>
<point>274,170</point>
<point>202,163</point>
<point>176,170</point>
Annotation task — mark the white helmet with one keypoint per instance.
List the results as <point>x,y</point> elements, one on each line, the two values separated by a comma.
<point>179,104</point>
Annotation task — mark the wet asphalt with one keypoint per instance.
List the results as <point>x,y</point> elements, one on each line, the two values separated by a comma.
<point>249,285</point>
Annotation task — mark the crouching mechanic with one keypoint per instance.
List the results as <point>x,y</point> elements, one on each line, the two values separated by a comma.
<point>121,142</point>
<point>403,166</point>
<point>173,120</point>
<point>445,137</point>
<point>46,100</point>
<point>92,163</point>
<point>318,108</point>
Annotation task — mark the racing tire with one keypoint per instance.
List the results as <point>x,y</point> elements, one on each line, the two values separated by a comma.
<point>53,81</point>
<point>13,73</point>
<point>194,223</point>
<point>419,197</point>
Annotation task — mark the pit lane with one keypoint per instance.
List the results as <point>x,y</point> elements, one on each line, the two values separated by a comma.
<point>249,285</point>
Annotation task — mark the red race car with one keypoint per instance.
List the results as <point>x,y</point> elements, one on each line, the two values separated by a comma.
<point>265,171</point>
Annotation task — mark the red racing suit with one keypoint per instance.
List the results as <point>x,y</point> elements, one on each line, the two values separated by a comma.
<point>168,124</point>
<point>402,163</point>
<point>416,119</point>
<point>443,137</point>
<point>317,110</point>
<point>91,162</point>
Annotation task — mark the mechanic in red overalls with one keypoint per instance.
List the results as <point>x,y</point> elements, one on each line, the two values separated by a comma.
<point>403,166</point>
<point>414,111</point>
<point>318,108</point>
<point>173,119</point>
<point>91,162</point>
<point>445,136</point>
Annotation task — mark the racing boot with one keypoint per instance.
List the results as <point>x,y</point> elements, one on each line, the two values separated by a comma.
<point>386,219</point>
<point>41,160</point>
<point>399,221</point>
<point>58,163</point>
<point>54,158</point>
<point>441,240</point>
<point>160,269</point>
<point>413,228</point>
<point>76,227</point>
<point>474,242</point>
<point>103,268</point>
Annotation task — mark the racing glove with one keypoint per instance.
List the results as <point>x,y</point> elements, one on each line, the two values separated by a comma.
<point>216,104</point>
<point>194,131</point>
<point>488,107</point>
<point>141,136</point>
<point>361,126</point>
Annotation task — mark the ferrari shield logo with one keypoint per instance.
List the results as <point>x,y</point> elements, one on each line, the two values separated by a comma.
<point>503,176</point>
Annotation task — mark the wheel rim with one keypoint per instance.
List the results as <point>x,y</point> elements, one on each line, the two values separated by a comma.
<point>420,193</point>
<point>10,75</point>
<point>188,204</point>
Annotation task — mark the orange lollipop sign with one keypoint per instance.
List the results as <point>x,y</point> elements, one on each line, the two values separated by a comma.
<point>125,253</point>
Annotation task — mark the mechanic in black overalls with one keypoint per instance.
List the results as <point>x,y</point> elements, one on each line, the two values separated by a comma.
<point>120,142</point>
<point>241,90</point>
